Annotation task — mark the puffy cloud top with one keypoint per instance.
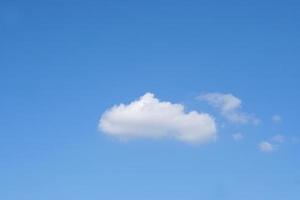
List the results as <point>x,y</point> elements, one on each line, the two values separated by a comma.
<point>148,117</point>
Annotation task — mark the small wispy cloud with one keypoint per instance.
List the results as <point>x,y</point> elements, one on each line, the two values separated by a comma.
<point>295,140</point>
<point>276,119</point>
<point>278,138</point>
<point>148,117</point>
<point>229,106</point>
<point>272,144</point>
<point>266,147</point>
<point>238,136</point>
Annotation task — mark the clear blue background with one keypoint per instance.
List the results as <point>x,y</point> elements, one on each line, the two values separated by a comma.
<point>63,63</point>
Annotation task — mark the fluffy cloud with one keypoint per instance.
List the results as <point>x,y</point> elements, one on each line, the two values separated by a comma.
<point>148,117</point>
<point>237,136</point>
<point>266,147</point>
<point>229,106</point>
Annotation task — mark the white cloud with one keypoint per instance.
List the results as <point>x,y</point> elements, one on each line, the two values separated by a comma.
<point>229,106</point>
<point>148,117</point>
<point>238,136</point>
<point>266,147</point>
<point>276,118</point>
<point>278,138</point>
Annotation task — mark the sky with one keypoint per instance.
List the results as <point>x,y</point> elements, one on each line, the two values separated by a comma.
<point>149,100</point>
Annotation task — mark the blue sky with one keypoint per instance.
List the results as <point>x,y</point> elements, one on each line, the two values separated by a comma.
<point>64,63</point>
